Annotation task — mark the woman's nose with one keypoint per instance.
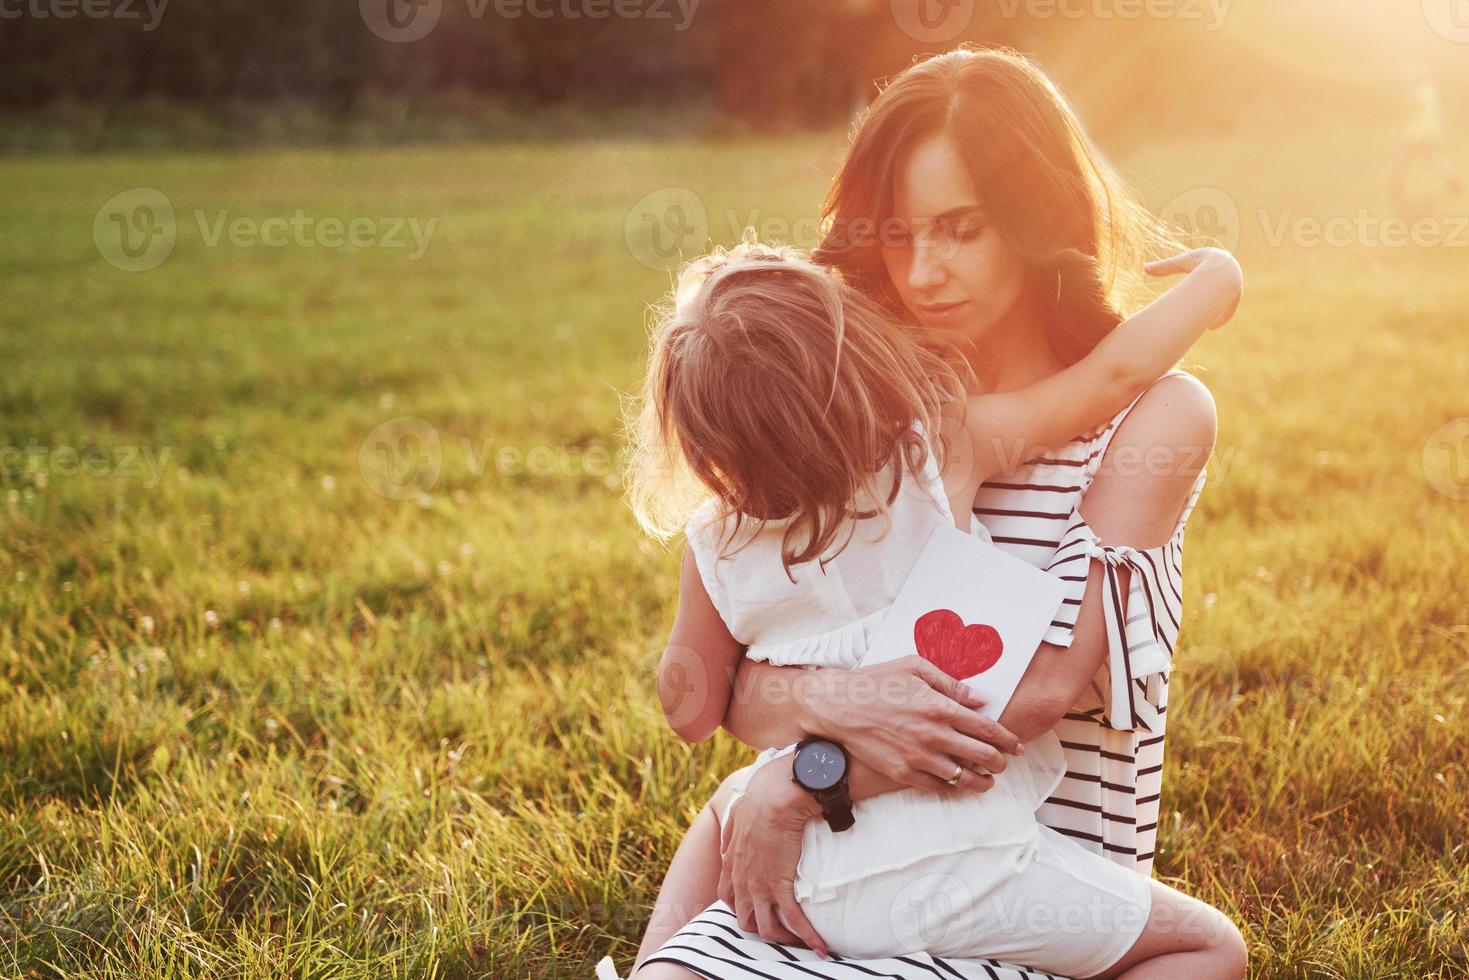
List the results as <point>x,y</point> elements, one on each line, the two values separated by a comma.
<point>925,270</point>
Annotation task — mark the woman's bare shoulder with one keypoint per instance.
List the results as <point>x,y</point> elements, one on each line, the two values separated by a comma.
<point>1152,466</point>
<point>1177,412</point>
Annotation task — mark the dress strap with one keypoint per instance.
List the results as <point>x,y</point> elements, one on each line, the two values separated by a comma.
<point>932,479</point>
<point>933,482</point>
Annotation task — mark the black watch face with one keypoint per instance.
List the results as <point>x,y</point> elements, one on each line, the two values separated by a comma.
<point>819,765</point>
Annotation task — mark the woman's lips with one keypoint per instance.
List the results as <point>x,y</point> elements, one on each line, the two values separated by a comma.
<point>939,310</point>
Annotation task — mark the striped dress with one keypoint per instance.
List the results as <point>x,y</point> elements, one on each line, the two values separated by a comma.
<point>1112,737</point>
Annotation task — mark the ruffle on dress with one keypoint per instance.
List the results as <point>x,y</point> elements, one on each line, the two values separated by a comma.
<point>1142,623</point>
<point>842,647</point>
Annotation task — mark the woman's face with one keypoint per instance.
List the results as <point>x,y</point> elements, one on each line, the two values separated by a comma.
<point>951,269</point>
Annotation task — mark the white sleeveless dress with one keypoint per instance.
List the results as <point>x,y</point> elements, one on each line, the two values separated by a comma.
<point>1113,737</point>
<point>918,872</point>
<point>825,618</point>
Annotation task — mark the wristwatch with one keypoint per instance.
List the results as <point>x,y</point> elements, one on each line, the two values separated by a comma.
<point>820,767</point>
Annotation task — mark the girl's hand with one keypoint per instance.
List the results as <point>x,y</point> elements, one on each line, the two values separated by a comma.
<point>1214,261</point>
<point>910,722</point>
<point>760,846</point>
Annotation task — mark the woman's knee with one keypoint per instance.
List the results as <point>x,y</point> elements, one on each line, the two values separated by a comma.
<point>1178,923</point>
<point>1212,932</point>
<point>1228,944</point>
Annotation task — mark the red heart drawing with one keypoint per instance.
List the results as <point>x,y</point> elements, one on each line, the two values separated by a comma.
<point>958,650</point>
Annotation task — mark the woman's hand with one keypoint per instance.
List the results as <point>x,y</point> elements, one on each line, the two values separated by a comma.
<point>910,722</point>
<point>760,846</point>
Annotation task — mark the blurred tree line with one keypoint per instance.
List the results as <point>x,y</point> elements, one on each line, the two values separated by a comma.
<point>775,64</point>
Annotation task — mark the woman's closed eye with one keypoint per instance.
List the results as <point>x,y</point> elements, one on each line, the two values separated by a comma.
<point>897,236</point>
<point>963,229</point>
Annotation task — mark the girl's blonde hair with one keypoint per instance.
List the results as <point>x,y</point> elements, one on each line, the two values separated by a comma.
<point>782,391</point>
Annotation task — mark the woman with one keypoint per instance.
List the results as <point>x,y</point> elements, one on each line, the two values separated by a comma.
<point>971,200</point>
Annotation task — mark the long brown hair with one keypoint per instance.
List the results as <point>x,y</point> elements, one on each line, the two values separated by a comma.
<point>1049,193</point>
<point>784,392</point>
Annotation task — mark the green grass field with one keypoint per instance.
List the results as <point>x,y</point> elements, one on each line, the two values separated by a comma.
<point>290,689</point>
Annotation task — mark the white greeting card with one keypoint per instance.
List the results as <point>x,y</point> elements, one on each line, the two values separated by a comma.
<point>974,611</point>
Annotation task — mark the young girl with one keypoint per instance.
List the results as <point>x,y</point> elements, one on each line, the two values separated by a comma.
<point>827,442</point>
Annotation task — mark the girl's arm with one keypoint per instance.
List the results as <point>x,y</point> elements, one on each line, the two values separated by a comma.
<point>1006,428</point>
<point>696,673</point>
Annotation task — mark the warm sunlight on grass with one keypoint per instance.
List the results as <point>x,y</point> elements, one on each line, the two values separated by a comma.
<point>260,718</point>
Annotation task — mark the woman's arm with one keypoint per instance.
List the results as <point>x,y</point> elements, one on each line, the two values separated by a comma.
<point>695,675</point>
<point>904,722</point>
<point>1173,427</point>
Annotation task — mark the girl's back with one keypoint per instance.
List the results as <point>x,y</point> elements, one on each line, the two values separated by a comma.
<point>779,616</point>
<point>825,617</point>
